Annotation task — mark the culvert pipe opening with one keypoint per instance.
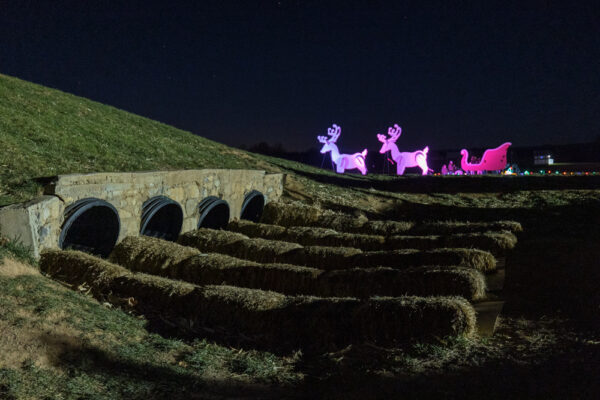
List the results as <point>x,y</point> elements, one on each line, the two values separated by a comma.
<point>214,213</point>
<point>161,218</point>
<point>91,225</point>
<point>253,205</point>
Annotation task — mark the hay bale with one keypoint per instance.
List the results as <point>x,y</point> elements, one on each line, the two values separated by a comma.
<point>238,245</point>
<point>315,236</point>
<point>211,240</point>
<point>417,281</point>
<point>451,227</point>
<point>322,257</point>
<point>150,255</point>
<point>257,230</point>
<point>167,259</point>
<point>104,278</point>
<point>263,250</point>
<point>300,214</point>
<point>290,214</point>
<point>446,316</point>
<point>386,228</point>
<point>307,235</point>
<point>399,259</point>
<point>282,322</point>
<point>219,269</point>
<point>495,242</point>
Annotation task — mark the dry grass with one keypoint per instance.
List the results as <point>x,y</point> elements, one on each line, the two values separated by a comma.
<point>268,317</point>
<point>12,268</point>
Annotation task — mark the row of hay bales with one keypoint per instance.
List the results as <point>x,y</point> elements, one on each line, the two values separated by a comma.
<point>159,257</point>
<point>300,214</point>
<point>273,319</point>
<point>331,258</point>
<point>496,242</point>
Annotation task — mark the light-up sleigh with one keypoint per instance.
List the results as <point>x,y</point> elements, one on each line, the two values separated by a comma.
<point>492,159</point>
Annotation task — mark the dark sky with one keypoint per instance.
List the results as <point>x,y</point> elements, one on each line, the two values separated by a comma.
<point>452,74</point>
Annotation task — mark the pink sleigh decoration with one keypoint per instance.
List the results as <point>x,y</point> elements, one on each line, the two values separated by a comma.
<point>403,159</point>
<point>492,159</point>
<point>342,161</point>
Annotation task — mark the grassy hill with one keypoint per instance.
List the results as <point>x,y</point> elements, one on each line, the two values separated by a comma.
<point>45,132</point>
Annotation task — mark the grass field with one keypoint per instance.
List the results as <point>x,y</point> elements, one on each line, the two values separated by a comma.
<point>57,342</point>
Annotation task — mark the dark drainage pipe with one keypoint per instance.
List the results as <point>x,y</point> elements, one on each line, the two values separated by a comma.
<point>161,218</point>
<point>91,225</point>
<point>214,213</point>
<point>253,205</point>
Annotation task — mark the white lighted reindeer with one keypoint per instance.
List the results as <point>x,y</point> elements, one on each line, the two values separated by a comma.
<point>403,160</point>
<point>342,161</point>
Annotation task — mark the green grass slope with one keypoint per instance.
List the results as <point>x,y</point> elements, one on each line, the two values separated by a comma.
<point>45,132</point>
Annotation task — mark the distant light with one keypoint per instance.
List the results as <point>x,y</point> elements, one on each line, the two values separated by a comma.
<point>526,172</point>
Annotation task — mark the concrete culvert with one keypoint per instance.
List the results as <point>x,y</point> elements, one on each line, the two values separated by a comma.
<point>253,205</point>
<point>214,213</point>
<point>161,218</point>
<point>91,225</point>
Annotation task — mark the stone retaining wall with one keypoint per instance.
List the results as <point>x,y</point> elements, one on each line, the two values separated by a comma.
<point>38,223</point>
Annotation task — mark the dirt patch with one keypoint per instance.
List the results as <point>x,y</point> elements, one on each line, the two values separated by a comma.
<point>42,345</point>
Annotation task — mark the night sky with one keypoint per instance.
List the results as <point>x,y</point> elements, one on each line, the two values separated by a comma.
<point>451,74</point>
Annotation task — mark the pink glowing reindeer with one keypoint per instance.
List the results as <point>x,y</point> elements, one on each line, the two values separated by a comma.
<point>403,160</point>
<point>342,161</point>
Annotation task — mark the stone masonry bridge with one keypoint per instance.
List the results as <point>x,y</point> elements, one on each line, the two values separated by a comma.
<point>92,212</point>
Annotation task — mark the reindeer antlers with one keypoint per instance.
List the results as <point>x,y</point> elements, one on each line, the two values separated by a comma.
<point>334,132</point>
<point>394,132</point>
<point>381,138</point>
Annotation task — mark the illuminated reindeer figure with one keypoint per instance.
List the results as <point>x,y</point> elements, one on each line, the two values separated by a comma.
<point>342,161</point>
<point>403,160</point>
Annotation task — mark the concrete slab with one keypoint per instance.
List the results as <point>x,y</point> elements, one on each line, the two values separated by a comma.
<point>487,316</point>
<point>495,281</point>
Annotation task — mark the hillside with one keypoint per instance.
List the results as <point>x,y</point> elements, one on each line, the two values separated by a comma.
<point>45,132</point>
